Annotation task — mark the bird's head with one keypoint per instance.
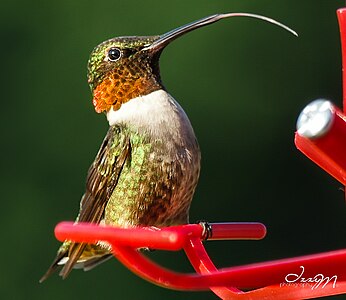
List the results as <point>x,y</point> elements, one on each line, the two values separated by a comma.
<point>124,68</point>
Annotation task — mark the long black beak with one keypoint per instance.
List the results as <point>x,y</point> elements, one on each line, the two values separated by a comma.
<point>169,36</point>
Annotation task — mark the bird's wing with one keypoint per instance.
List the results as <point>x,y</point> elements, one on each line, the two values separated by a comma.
<point>103,175</point>
<point>102,178</point>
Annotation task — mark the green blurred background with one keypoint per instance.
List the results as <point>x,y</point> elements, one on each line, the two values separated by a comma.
<point>242,82</point>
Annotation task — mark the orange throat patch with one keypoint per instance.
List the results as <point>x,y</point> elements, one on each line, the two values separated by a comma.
<point>115,90</point>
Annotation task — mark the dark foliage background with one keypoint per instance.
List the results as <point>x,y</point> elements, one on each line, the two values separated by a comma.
<point>243,84</point>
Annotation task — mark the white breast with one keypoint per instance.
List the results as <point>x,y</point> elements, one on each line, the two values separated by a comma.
<point>152,108</point>
<point>158,116</point>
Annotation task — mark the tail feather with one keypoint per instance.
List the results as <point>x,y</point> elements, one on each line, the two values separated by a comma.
<point>94,262</point>
<point>54,265</point>
<point>75,251</point>
<point>78,256</point>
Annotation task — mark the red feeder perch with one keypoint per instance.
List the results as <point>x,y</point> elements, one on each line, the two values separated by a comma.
<point>321,136</point>
<point>270,280</point>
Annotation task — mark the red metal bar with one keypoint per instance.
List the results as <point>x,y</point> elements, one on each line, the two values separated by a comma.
<point>238,231</point>
<point>170,238</point>
<point>202,263</point>
<point>341,14</point>
<point>148,270</point>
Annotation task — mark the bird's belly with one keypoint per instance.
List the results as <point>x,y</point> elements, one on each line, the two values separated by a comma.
<point>155,188</point>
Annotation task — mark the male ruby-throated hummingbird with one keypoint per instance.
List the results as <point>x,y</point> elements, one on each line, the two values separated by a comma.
<point>147,168</point>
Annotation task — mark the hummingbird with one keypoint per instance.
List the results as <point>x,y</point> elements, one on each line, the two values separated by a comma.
<point>147,168</point>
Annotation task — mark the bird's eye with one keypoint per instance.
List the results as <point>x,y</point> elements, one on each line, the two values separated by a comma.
<point>114,54</point>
